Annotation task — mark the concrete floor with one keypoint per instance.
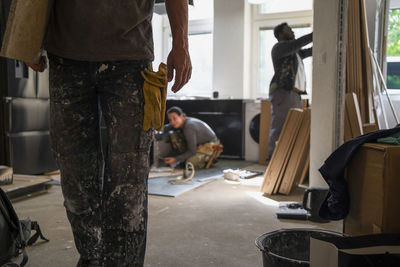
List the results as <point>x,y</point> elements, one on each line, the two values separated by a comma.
<point>214,225</point>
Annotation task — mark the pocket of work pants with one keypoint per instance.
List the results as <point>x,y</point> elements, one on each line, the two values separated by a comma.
<point>155,94</point>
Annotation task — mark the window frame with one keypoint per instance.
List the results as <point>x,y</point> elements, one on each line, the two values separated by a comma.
<point>395,92</point>
<point>269,21</point>
<point>195,27</point>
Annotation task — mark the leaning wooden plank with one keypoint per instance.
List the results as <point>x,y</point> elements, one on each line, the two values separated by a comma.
<point>269,181</point>
<point>265,121</point>
<point>353,112</point>
<point>294,131</point>
<point>367,66</point>
<point>347,129</point>
<point>25,30</point>
<point>290,145</point>
<point>304,173</point>
<point>278,160</point>
<point>298,157</point>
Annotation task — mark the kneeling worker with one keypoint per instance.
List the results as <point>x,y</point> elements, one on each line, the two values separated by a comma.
<point>192,138</point>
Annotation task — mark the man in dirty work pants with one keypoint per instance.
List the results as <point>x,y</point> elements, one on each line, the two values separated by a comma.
<point>96,51</point>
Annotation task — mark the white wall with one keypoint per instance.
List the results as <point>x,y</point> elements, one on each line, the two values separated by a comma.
<point>324,93</point>
<point>230,63</point>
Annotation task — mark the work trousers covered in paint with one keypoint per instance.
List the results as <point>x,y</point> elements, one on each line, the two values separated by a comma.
<point>281,102</point>
<point>105,189</point>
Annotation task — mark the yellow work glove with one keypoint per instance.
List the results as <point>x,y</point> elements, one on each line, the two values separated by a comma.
<point>155,96</point>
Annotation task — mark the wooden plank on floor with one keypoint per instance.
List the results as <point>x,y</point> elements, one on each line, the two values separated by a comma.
<point>25,186</point>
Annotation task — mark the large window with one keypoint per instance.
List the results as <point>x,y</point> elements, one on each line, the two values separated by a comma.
<point>265,67</point>
<point>393,50</point>
<point>266,17</point>
<point>200,49</point>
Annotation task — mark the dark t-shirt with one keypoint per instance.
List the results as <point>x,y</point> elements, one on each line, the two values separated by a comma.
<point>100,30</point>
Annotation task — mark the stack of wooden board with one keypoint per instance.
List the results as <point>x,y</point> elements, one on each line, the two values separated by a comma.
<point>290,160</point>
<point>359,69</point>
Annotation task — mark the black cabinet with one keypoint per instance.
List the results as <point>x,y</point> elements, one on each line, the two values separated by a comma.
<point>24,127</point>
<point>225,117</point>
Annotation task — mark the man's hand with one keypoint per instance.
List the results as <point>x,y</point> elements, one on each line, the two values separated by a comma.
<point>179,60</point>
<point>170,160</point>
<point>40,67</point>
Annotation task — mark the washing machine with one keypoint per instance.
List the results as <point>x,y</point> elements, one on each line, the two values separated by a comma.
<point>252,129</point>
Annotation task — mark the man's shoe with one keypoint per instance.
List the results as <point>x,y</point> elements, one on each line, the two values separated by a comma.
<point>88,263</point>
<point>82,263</point>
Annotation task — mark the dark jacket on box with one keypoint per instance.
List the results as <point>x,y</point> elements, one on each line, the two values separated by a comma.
<point>336,204</point>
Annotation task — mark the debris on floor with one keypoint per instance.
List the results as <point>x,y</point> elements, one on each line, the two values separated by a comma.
<point>236,175</point>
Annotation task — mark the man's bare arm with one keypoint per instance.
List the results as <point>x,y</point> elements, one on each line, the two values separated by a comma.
<point>179,58</point>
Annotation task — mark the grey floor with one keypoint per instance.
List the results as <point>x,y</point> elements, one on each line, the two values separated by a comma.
<point>213,225</point>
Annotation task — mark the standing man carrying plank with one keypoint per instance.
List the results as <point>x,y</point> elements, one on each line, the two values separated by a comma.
<point>289,80</point>
<point>97,49</point>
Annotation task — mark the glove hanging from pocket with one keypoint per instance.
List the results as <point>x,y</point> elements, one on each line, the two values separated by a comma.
<point>155,96</point>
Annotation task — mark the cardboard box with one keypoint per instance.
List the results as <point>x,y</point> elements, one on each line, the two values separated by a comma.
<point>370,250</point>
<point>373,177</point>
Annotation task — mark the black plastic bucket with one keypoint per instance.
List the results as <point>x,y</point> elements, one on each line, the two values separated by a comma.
<point>289,247</point>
